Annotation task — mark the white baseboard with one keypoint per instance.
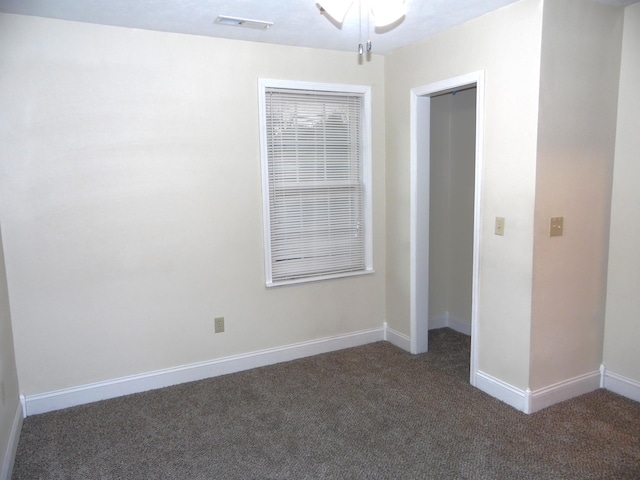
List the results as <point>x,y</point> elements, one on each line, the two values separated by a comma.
<point>561,391</point>
<point>396,338</point>
<point>12,446</point>
<point>504,392</point>
<point>447,320</point>
<point>621,385</point>
<point>461,326</point>
<point>528,401</point>
<point>69,397</point>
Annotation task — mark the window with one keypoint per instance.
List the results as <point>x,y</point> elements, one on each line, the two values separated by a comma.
<point>316,177</point>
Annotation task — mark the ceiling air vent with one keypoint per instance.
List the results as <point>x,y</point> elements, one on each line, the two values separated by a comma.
<point>242,22</point>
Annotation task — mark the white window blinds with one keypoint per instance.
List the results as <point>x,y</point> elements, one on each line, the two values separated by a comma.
<point>315,186</point>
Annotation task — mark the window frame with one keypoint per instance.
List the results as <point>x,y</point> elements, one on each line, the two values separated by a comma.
<point>364,92</point>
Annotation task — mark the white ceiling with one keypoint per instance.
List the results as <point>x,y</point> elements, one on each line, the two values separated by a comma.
<point>296,22</point>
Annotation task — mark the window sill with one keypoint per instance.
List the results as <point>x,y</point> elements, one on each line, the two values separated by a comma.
<point>282,283</point>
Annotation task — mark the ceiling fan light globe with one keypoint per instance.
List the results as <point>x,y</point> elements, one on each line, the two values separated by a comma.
<point>385,12</point>
<point>336,9</point>
<point>387,18</point>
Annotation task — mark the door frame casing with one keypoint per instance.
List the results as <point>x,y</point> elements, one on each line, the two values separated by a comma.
<point>420,161</point>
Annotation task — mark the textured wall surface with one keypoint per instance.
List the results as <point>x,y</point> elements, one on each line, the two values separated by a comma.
<point>505,45</point>
<point>131,201</point>
<point>622,327</point>
<point>9,392</point>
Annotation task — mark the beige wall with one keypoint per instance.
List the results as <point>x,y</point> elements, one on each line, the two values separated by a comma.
<point>131,201</point>
<point>577,121</point>
<point>506,45</point>
<point>452,167</point>
<point>439,220</point>
<point>622,328</point>
<point>131,208</point>
<point>9,392</point>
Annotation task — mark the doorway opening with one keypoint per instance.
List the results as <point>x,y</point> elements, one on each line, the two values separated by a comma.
<point>445,209</point>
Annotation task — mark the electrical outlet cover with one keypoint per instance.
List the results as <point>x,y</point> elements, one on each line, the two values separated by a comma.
<point>219,324</point>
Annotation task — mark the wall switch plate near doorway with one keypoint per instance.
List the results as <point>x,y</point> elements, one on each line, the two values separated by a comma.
<point>556,226</point>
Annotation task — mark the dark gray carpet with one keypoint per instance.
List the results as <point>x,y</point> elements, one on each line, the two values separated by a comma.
<point>371,412</point>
